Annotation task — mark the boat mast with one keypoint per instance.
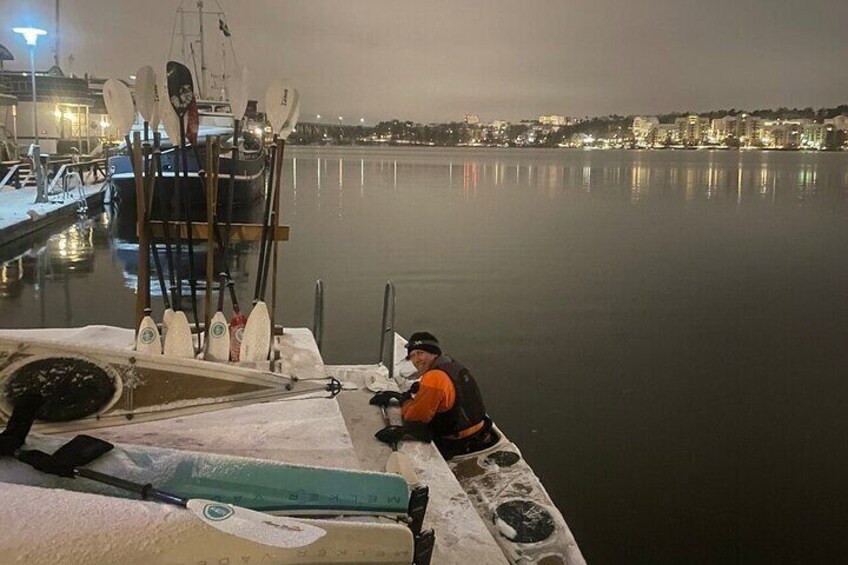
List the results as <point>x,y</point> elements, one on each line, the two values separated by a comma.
<point>56,42</point>
<point>202,50</point>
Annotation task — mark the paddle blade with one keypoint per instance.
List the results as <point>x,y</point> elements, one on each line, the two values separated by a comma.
<point>180,86</point>
<point>166,112</point>
<point>291,122</point>
<point>148,339</point>
<point>400,464</point>
<point>279,99</point>
<point>178,342</point>
<point>145,93</point>
<point>257,334</point>
<point>275,531</point>
<point>119,104</point>
<point>237,323</point>
<point>219,339</point>
<point>237,91</point>
<point>166,320</point>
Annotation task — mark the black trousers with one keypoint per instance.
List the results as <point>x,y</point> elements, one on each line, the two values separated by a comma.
<point>484,439</point>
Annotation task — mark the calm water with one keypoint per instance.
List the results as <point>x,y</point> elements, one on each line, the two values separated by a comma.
<point>663,333</point>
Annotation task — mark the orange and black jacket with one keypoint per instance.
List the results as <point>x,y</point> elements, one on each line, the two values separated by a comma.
<point>449,400</point>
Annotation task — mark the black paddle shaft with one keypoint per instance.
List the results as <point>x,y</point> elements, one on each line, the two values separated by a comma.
<point>266,218</point>
<point>145,491</point>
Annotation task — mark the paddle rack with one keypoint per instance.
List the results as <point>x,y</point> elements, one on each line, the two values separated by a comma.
<point>200,231</point>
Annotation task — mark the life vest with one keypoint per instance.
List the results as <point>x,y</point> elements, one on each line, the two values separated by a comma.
<point>468,408</point>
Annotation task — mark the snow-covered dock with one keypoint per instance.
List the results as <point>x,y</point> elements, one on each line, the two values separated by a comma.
<point>309,430</point>
<point>21,216</point>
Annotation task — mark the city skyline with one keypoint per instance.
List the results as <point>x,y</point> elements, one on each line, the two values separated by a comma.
<point>433,62</point>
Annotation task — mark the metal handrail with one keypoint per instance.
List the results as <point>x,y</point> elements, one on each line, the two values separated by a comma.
<point>387,329</point>
<point>13,172</point>
<point>318,314</point>
<point>61,174</point>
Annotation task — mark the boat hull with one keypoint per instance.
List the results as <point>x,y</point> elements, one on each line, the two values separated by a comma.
<point>248,185</point>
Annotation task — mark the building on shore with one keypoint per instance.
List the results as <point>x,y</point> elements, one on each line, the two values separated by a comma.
<point>553,120</point>
<point>644,130</point>
<point>692,130</point>
<point>70,110</point>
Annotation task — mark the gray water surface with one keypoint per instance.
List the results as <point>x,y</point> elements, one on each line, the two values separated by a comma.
<point>662,333</point>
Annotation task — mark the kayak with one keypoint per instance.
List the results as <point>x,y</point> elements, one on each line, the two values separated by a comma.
<point>46,526</point>
<point>89,387</point>
<point>515,506</point>
<point>257,484</point>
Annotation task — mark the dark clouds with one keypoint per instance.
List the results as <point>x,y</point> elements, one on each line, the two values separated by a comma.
<point>503,59</point>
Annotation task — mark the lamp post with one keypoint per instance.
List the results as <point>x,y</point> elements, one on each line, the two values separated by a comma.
<point>31,36</point>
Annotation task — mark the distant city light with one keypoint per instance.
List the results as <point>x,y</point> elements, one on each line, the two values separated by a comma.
<point>132,77</point>
<point>31,34</point>
<point>317,116</point>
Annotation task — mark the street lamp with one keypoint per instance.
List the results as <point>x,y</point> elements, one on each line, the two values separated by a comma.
<point>31,35</point>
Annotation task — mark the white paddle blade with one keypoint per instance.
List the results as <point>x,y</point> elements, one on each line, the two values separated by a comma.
<point>256,341</point>
<point>119,104</point>
<point>279,99</point>
<point>148,339</point>
<point>291,122</point>
<point>145,92</point>
<point>166,112</point>
<point>400,464</point>
<point>219,339</point>
<point>274,531</point>
<point>166,320</point>
<point>178,342</point>
<point>237,91</point>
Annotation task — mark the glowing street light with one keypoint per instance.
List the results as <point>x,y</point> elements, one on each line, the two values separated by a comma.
<point>31,35</point>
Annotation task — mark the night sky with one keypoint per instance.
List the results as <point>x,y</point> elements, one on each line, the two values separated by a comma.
<point>435,60</point>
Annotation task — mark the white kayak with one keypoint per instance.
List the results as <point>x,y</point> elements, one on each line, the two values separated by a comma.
<point>49,526</point>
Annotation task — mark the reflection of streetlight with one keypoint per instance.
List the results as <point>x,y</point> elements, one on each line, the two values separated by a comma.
<point>31,35</point>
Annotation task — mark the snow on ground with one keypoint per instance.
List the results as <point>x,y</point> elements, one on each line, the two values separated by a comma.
<point>330,433</point>
<point>18,206</point>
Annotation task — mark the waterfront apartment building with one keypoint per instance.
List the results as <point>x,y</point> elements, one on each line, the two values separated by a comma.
<point>471,119</point>
<point>643,129</point>
<point>692,129</point>
<point>553,120</point>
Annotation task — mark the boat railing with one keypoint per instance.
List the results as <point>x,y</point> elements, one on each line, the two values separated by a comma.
<point>318,314</point>
<point>387,332</point>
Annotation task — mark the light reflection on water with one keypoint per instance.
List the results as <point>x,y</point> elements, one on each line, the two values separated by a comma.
<point>662,332</point>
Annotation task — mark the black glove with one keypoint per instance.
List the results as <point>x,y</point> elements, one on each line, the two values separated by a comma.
<point>384,398</point>
<point>390,434</point>
<point>412,431</point>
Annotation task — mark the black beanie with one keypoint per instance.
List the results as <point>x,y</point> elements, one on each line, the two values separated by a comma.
<point>424,341</point>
